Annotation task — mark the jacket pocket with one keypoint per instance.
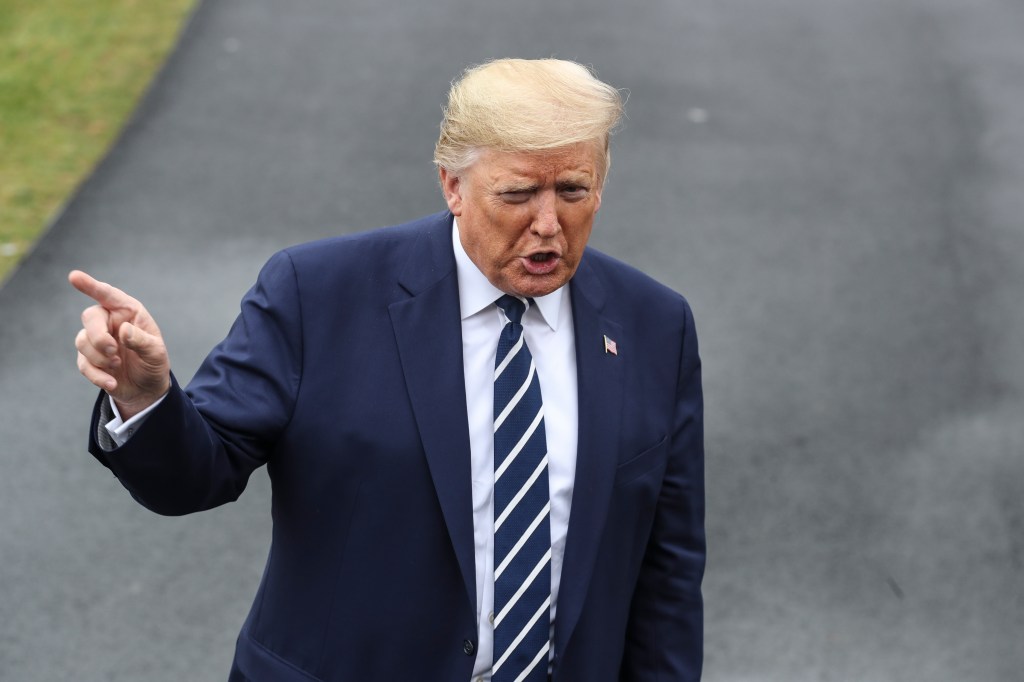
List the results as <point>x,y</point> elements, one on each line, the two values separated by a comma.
<point>647,461</point>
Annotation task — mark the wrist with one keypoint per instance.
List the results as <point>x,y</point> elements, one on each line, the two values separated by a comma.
<point>129,408</point>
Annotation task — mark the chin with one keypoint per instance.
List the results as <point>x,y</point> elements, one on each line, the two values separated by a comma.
<point>538,286</point>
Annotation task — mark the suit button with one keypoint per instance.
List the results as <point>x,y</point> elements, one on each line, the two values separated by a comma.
<point>468,647</point>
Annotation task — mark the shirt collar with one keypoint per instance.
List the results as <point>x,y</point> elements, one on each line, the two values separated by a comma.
<point>476,292</point>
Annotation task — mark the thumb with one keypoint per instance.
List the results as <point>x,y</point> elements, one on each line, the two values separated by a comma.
<point>147,346</point>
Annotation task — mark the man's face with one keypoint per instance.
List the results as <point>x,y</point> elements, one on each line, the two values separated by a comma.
<point>524,217</point>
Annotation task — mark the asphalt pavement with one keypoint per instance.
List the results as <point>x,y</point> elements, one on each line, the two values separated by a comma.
<point>835,186</point>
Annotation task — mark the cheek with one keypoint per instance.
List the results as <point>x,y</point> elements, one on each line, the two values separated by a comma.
<point>576,228</point>
<point>492,243</point>
<point>578,241</point>
<point>507,226</point>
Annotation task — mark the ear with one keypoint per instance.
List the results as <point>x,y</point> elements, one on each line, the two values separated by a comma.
<point>451,185</point>
<point>597,204</point>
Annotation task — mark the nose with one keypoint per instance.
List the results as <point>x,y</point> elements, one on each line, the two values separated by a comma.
<point>545,223</point>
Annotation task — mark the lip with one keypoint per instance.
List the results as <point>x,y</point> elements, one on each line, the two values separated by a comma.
<point>544,267</point>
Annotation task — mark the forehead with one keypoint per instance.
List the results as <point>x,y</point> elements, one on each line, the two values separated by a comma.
<point>578,159</point>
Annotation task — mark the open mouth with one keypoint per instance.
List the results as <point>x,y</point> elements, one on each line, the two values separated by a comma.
<point>541,263</point>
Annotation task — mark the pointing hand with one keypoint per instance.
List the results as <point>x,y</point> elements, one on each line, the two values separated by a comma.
<point>120,348</point>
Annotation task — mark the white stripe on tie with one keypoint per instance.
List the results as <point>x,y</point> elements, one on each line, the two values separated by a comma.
<point>522,541</point>
<point>499,420</point>
<point>519,446</point>
<point>512,352</point>
<point>522,588</point>
<point>522,633</point>
<point>541,465</point>
<point>534,662</point>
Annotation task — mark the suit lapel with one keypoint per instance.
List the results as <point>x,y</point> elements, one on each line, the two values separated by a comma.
<point>428,330</point>
<point>600,377</point>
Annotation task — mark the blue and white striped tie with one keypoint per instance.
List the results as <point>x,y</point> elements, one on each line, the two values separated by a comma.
<point>522,534</point>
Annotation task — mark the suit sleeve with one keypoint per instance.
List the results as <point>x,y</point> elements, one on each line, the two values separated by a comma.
<point>665,636</point>
<point>197,449</point>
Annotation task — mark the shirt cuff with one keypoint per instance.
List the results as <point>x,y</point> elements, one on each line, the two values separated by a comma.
<point>120,430</point>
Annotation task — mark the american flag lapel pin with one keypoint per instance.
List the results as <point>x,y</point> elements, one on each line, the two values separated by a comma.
<point>609,346</point>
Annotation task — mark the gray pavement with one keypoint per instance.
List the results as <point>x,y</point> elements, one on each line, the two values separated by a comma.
<point>836,186</point>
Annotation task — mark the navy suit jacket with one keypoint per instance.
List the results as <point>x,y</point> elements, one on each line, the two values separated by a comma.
<point>343,374</point>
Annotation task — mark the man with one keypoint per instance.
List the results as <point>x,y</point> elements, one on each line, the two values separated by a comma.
<point>484,439</point>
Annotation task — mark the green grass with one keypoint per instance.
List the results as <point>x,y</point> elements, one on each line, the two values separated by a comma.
<point>71,71</point>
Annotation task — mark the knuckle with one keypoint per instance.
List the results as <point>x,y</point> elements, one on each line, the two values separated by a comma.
<point>92,316</point>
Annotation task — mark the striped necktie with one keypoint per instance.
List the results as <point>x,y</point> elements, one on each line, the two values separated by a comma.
<point>522,534</point>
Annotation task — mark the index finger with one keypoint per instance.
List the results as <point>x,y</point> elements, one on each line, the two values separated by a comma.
<point>108,296</point>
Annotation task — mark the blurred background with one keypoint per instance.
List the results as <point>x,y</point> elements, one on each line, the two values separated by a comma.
<point>837,187</point>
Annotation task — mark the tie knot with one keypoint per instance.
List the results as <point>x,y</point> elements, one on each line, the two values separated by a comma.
<point>514,307</point>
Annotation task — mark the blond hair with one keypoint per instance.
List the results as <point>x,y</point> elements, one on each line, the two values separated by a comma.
<point>519,105</point>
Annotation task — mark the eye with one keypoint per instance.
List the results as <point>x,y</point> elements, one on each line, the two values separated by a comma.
<point>516,196</point>
<point>573,192</point>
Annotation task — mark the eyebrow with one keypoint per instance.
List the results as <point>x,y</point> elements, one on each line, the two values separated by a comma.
<point>513,186</point>
<point>517,185</point>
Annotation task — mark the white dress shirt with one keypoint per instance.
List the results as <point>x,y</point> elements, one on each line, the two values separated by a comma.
<point>120,430</point>
<point>548,329</point>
